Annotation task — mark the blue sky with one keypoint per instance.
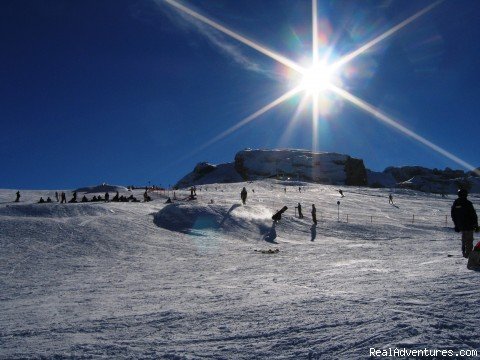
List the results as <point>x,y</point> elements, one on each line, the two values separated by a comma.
<point>127,92</point>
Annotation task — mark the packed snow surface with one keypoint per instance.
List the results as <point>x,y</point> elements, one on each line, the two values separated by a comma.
<point>189,280</point>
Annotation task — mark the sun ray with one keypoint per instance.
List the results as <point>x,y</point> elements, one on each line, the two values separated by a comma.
<point>363,105</point>
<point>314,33</point>
<point>300,107</point>
<point>281,59</point>
<point>315,122</point>
<point>347,58</point>
<point>289,94</point>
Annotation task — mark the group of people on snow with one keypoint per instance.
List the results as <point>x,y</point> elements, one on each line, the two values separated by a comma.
<point>463,215</point>
<point>62,198</point>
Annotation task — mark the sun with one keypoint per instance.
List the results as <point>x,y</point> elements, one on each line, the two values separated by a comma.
<point>317,79</point>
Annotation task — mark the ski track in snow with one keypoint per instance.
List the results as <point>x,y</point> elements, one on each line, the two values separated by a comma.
<point>182,281</point>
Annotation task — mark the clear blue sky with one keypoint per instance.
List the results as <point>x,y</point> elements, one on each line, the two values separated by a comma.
<point>124,92</point>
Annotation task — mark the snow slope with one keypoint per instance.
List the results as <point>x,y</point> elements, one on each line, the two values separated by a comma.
<point>183,281</point>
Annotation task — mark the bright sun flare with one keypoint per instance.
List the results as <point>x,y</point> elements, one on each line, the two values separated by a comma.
<point>316,79</point>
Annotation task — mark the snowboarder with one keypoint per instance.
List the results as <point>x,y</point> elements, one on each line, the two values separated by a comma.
<point>17,199</point>
<point>314,214</point>
<point>278,215</point>
<point>64,198</point>
<point>341,192</point>
<point>299,207</point>
<point>465,220</point>
<point>390,199</point>
<point>243,195</point>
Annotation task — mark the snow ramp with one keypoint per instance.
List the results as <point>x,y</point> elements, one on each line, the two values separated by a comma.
<point>197,219</point>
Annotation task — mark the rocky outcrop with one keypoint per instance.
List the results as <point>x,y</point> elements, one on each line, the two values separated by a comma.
<point>328,168</point>
<point>303,165</point>
<point>205,173</point>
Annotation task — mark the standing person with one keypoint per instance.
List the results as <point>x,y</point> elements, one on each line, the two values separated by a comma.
<point>465,220</point>
<point>17,199</point>
<point>314,214</point>
<point>390,199</point>
<point>243,195</point>
<point>299,207</point>
<point>56,195</point>
<point>64,198</point>
<point>107,197</point>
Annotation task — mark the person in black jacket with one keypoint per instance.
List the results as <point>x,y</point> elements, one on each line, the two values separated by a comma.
<point>243,195</point>
<point>465,220</point>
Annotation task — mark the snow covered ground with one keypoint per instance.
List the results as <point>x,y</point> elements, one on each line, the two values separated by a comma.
<point>183,281</point>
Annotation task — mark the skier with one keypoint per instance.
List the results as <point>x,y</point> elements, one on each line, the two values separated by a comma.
<point>64,198</point>
<point>341,192</point>
<point>390,199</point>
<point>17,199</point>
<point>465,220</point>
<point>243,195</point>
<point>299,207</point>
<point>314,214</point>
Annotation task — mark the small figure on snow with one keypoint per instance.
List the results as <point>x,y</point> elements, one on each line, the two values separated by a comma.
<point>146,197</point>
<point>340,191</point>
<point>299,207</point>
<point>74,198</point>
<point>390,199</point>
<point>41,201</point>
<point>107,197</point>
<point>465,220</point>
<point>278,215</point>
<point>84,199</point>
<point>56,196</point>
<point>299,189</point>
<point>243,195</point>
<point>17,199</point>
<point>64,198</point>
<point>314,214</point>
<point>49,200</point>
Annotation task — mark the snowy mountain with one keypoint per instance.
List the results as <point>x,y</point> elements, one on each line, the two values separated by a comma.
<point>195,279</point>
<point>327,168</point>
<point>300,165</point>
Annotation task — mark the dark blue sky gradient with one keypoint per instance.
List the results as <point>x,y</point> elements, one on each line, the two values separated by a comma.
<point>123,91</point>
